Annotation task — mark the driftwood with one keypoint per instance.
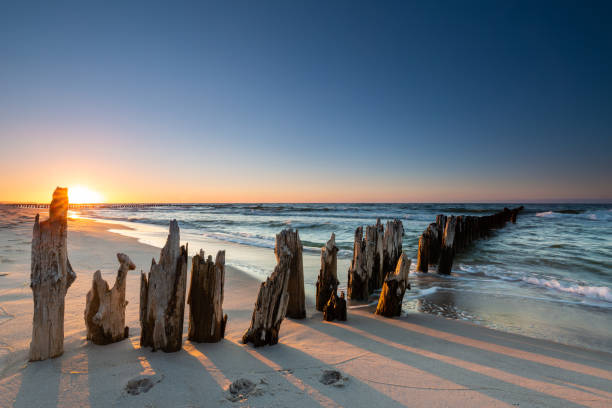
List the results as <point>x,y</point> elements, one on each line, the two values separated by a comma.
<point>394,288</point>
<point>271,305</point>
<point>436,247</point>
<point>105,308</point>
<point>206,319</point>
<point>335,309</point>
<point>50,277</point>
<point>357,286</point>
<point>297,299</point>
<point>162,296</point>
<point>327,282</point>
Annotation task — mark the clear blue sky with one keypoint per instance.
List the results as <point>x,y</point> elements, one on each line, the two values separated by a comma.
<point>307,101</point>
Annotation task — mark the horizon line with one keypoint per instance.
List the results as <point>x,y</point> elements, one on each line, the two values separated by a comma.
<point>150,203</point>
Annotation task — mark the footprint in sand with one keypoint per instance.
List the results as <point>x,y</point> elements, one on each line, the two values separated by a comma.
<point>333,377</point>
<point>141,384</point>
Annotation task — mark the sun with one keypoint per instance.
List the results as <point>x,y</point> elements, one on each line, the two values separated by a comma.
<point>83,195</point>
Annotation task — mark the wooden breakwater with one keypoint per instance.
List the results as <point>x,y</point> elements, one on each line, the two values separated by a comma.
<point>451,234</point>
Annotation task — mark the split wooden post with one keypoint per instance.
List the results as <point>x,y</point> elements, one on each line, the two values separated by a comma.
<point>357,286</point>
<point>206,319</point>
<point>297,299</point>
<point>50,277</point>
<point>105,308</point>
<point>327,282</point>
<point>394,288</point>
<point>392,246</point>
<point>374,255</point>
<point>271,305</point>
<point>162,296</point>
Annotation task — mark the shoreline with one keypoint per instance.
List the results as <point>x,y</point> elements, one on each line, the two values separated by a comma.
<point>475,298</point>
<point>419,359</point>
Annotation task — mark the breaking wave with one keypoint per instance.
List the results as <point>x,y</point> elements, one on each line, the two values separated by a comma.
<point>594,292</point>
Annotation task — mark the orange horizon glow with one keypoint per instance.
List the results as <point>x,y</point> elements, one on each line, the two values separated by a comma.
<point>240,188</point>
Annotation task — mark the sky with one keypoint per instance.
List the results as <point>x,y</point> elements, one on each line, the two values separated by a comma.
<point>307,101</point>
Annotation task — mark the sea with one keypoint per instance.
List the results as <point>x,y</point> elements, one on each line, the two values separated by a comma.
<point>548,276</point>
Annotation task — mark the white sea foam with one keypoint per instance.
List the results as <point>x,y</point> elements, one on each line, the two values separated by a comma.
<point>428,291</point>
<point>420,293</point>
<point>593,292</point>
<point>593,215</point>
<point>345,253</point>
<point>242,238</point>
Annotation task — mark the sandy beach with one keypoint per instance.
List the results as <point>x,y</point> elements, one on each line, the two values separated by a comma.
<point>306,204</point>
<point>415,360</point>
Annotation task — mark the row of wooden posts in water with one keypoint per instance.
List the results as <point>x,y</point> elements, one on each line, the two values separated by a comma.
<point>449,235</point>
<point>378,263</point>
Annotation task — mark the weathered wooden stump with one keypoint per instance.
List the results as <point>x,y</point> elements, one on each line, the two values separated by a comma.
<point>327,282</point>
<point>357,287</point>
<point>297,299</point>
<point>271,305</point>
<point>428,251</point>
<point>394,288</point>
<point>374,255</point>
<point>105,308</point>
<point>206,319</point>
<point>335,308</point>
<point>50,277</point>
<point>162,296</point>
<point>392,246</point>
<point>447,252</point>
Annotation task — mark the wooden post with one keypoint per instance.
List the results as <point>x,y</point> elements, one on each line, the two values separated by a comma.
<point>428,248</point>
<point>392,246</point>
<point>50,277</point>
<point>357,286</point>
<point>447,252</point>
<point>162,296</point>
<point>327,282</point>
<point>374,255</point>
<point>206,319</point>
<point>297,299</point>
<point>392,294</point>
<point>105,308</point>
<point>271,305</point>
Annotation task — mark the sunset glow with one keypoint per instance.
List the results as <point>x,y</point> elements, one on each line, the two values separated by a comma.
<point>83,195</point>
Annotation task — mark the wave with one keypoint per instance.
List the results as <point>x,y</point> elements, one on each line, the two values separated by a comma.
<point>265,242</point>
<point>465,210</point>
<point>242,238</point>
<point>594,292</point>
<point>593,215</point>
<point>569,211</point>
